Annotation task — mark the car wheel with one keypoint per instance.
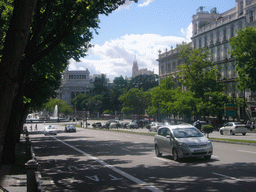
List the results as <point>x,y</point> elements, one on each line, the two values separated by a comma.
<point>207,157</point>
<point>232,133</point>
<point>158,154</point>
<point>221,132</point>
<point>175,155</point>
<point>244,133</point>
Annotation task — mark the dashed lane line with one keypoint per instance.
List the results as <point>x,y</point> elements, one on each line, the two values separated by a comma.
<point>124,174</point>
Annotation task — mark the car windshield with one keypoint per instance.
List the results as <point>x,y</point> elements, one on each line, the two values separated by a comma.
<point>50,127</point>
<point>238,123</point>
<point>187,132</point>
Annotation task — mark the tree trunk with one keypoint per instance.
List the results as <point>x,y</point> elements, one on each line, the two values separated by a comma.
<point>13,132</point>
<point>14,46</point>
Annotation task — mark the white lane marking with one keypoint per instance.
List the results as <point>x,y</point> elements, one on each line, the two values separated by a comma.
<point>166,160</point>
<point>246,151</point>
<point>215,156</point>
<point>126,149</point>
<point>128,176</point>
<point>161,159</point>
<point>233,178</point>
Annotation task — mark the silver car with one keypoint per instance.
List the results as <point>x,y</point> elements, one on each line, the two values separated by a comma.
<point>182,141</point>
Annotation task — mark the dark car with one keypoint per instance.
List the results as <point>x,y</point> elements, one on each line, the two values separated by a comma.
<point>199,124</point>
<point>140,123</point>
<point>70,128</point>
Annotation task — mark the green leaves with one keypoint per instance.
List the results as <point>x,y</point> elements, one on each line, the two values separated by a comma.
<point>244,50</point>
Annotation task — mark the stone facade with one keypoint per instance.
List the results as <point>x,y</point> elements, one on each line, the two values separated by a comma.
<point>74,83</point>
<point>213,30</point>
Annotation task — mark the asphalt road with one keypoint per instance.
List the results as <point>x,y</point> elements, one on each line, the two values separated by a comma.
<point>96,160</point>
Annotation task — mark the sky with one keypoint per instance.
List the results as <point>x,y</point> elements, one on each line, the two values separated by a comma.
<point>140,30</point>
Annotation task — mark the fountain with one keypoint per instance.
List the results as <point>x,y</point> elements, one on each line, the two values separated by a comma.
<point>55,112</point>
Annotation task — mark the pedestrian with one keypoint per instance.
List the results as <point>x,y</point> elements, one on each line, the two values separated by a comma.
<point>31,128</point>
<point>25,130</point>
<point>252,126</point>
<point>198,125</point>
<point>36,127</point>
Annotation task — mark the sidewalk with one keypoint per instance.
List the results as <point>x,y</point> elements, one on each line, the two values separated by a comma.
<point>13,178</point>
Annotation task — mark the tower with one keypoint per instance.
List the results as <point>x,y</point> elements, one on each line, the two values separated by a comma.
<point>135,68</point>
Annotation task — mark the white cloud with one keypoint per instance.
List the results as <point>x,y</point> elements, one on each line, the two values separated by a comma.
<point>126,5</point>
<point>145,3</point>
<point>187,32</point>
<point>115,57</point>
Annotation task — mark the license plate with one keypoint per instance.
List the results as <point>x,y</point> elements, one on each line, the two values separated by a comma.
<point>198,151</point>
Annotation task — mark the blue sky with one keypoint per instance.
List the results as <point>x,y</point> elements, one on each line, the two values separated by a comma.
<point>142,29</point>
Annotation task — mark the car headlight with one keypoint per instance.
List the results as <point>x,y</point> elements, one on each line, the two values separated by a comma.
<point>209,143</point>
<point>184,145</point>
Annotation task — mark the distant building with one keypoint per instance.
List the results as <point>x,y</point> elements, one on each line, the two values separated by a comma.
<point>213,30</point>
<point>74,83</point>
<point>136,71</point>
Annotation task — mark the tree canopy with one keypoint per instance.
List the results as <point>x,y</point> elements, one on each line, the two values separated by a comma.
<point>31,33</point>
<point>244,51</point>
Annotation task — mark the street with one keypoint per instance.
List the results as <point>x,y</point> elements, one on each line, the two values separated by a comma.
<point>97,160</point>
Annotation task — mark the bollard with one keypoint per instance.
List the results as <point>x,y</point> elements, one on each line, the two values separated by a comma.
<point>31,167</point>
<point>28,149</point>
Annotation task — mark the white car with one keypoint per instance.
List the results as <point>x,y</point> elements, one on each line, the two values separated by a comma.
<point>50,130</point>
<point>154,126</point>
<point>233,128</point>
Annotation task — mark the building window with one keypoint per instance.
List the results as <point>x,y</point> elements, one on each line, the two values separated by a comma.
<point>195,43</point>
<point>162,70</point>
<point>241,8</point>
<point>211,39</point>
<point>205,41</point>
<point>251,16</point>
<point>224,35</point>
<point>217,37</point>
<point>218,54</point>
<point>231,31</point>
<point>199,43</point>
<point>240,27</point>
<point>225,52</point>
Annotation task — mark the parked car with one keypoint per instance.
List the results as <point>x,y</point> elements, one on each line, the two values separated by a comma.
<point>233,128</point>
<point>96,125</point>
<point>113,125</point>
<point>135,125</point>
<point>200,125</point>
<point>69,128</point>
<point>154,126</point>
<point>48,130</point>
<point>104,125</point>
<point>124,124</point>
<point>140,123</point>
<point>182,141</point>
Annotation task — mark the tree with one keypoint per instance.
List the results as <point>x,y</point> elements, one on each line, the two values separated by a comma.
<point>144,81</point>
<point>34,30</point>
<point>120,82</point>
<point>244,51</point>
<point>99,85</point>
<point>199,74</point>
<point>135,101</point>
<point>81,101</point>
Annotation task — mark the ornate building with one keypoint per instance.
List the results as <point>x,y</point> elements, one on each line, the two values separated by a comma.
<point>136,71</point>
<point>74,83</point>
<point>213,30</point>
